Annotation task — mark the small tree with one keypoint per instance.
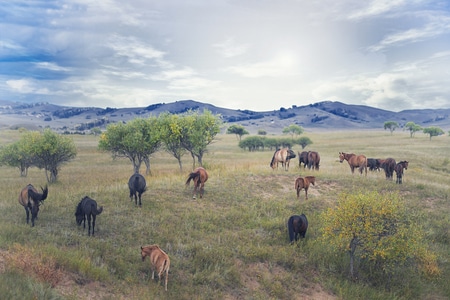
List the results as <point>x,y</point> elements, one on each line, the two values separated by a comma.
<point>293,130</point>
<point>262,132</point>
<point>433,131</point>
<point>15,155</point>
<point>391,125</point>
<point>171,135</point>
<point>304,141</point>
<point>238,130</point>
<point>379,229</point>
<point>413,128</point>
<point>49,151</point>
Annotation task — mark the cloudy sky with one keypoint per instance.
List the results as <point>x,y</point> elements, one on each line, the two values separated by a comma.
<point>241,54</point>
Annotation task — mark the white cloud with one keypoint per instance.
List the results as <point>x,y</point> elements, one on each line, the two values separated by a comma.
<point>229,48</point>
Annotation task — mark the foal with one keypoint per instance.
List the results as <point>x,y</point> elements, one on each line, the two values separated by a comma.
<point>159,261</point>
<point>199,176</point>
<point>303,183</point>
<point>87,208</point>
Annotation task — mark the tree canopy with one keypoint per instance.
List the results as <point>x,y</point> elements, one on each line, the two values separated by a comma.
<point>293,130</point>
<point>391,125</point>
<point>413,128</point>
<point>238,130</point>
<point>433,131</point>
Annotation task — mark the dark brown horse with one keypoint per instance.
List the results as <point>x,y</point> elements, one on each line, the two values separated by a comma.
<point>303,158</point>
<point>199,176</point>
<point>30,199</point>
<point>388,165</point>
<point>313,160</point>
<point>303,183</point>
<point>137,186</point>
<point>399,167</point>
<point>297,226</point>
<point>354,161</point>
<point>87,208</point>
<point>282,156</point>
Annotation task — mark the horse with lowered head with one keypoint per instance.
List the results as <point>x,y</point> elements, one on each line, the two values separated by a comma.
<point>87,208</point>
<point>313,160</point>
<point>303,183</point>
<point>31,199</point>
<point>303,158</point>
<point>199,176</point>
<point>297,226</point>
<point>354,161</point>
<point>137,186</point>
<point>282,156</point>
<point>399,167</point>
<point>388,165</point>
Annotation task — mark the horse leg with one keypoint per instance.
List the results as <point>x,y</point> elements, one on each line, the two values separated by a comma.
<point>306,193</point>
<point>93,223</point>
<point>89,223</point>
<point>28,213</point>
<point>140,201</point>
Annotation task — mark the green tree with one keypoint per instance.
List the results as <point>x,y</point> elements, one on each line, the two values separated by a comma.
<point>238,130</point>
<point>15,155</point>
<point>252,143</point>
<point>136,140</point>
<point>49,151</point>
<point>378,229</point>
<point>433,131</point>
<point>391,125</point>
<point>198,131</point>
<point>262,132</point>
<point>171,135</point>
<point>413,128</point>
<point>293,130</point>
<point>304,141</point>
<point>96,131</point>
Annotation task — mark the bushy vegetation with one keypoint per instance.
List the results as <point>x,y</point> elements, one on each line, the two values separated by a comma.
<point>233,243</point>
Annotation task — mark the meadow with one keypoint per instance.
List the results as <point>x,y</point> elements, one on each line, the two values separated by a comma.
<point>232,243</point>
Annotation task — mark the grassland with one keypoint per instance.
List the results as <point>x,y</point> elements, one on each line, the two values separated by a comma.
<point>233,243</point>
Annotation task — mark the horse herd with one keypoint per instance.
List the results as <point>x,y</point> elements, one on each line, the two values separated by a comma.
<point>30,198</point>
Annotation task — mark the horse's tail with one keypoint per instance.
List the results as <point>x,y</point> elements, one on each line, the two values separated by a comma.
<point>272,162</point>
<point>37,197</point>
<point>291,229</point>
<point>192,176</point>
<point>139,185</point>
<point>98,210</point>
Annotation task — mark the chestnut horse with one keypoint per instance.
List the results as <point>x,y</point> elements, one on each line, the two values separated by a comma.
<point>354,161</point>
<point>282,156</point>
<point>297,226</point>
<point>388,166</point>
<point>30,199</point>
<point>303,183</point>
<point>199,176</point>
<point>313,160</point>
<point>403,165</point>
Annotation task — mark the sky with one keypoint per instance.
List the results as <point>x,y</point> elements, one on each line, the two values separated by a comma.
<point>259,55</point>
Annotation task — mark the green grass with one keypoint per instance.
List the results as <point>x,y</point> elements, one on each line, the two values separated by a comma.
<point>232,243</point>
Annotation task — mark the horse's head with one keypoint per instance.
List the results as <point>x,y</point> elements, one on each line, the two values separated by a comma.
<point>341,157</point>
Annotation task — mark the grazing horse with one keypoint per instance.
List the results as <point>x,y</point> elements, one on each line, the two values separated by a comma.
<point>313,160</point>
<point>297,226</point>
<point>303,183</point>
<point>137,186</point>
<point>199,176</point>
<point>87,208</point>
<point>354,161</point>
<point>388,166</point>
<point>30,199</point>
<point>373,164</point>
<point>403,165</point>
<point>282,156</point>
<point>303,158</point>
<point>159,261</point>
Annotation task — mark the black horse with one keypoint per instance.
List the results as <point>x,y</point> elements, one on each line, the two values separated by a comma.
<point>373,164</point>
<point>303,158</point>
<point>87,208</point>
<point>137,186</point>
<point>399,167</point>
<point>297,226</point>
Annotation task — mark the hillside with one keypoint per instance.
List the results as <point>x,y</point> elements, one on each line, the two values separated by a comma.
<point>326,115</point>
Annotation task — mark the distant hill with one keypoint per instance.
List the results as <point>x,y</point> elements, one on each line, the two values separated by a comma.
<point>326,115</point>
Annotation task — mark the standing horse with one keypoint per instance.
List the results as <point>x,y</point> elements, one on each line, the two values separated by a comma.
<point>282,156</point>
<point>303,183</point>
<point>354,161</point>
<point>199,176</point>
<point>313,160</point>
<point>30,199</point>
<point>303,158</point>
<point>297,226</point>
<point>388,166</point>
<point>87,208</point>
<point>373,164</point>
<point>137,186</point>
<point>403,165</point>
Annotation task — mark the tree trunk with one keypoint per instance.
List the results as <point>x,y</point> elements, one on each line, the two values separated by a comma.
<point>353,245</point>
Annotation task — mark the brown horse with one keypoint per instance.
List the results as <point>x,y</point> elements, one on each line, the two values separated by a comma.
<point>354,161</point>
<point>199,176</point>
<point>159,261</point>
<point>313,160</point>
<point>399,167</point>
<point>303,158</point>
<point>30,199</point>
<point>388,166</point>
<point>282,156</point>
<point>303,183</point>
